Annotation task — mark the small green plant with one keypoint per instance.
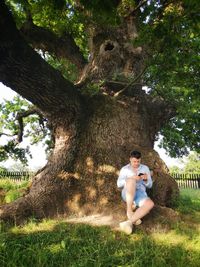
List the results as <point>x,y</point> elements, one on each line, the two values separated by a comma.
<point>6,184</point>
<point>91,89</point>
<point>11,190</point>
<point>12,195</point>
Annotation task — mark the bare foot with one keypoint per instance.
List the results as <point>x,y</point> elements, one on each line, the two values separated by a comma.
<point>138,222</point>
<point>126,227</point>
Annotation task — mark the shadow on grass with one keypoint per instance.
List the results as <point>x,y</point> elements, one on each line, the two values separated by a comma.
<point>63,244</point>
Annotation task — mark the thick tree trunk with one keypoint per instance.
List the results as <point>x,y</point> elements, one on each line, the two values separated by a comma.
<point>112,131</point>
<point>112,128</point>
<point>93,137</point>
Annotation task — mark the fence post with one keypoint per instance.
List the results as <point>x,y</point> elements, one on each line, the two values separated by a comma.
<point>187,180</point>
<point>16,176</point>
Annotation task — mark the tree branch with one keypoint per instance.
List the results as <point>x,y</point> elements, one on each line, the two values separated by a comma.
<point>131,83</point>
<point>41,38</point>
<point>135,9</point>
<point>23,70</point>
<point>9,135</point>
<point>62,47</point>
<point>20,117</point>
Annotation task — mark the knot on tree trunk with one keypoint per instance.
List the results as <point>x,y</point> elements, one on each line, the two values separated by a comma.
<point>108,49</point>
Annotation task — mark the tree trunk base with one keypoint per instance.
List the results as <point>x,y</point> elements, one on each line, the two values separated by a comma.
<point>113,128</point>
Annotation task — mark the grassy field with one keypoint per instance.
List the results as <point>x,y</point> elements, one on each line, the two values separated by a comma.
<point>57,243</point>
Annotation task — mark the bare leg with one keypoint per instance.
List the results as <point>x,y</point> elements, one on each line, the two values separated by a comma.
<point>142,211</point>
<point>130,193</point>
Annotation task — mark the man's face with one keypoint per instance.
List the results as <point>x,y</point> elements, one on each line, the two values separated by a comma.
<point>135,163</point>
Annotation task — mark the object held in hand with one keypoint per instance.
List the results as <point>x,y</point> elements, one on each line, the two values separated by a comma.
<point>140,174</point>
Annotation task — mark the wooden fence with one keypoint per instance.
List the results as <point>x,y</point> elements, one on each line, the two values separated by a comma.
<point>187,180</point>
<point>184,180</point>
<point>16,176</point>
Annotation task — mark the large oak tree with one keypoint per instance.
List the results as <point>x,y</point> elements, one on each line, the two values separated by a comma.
<point>95,105</point>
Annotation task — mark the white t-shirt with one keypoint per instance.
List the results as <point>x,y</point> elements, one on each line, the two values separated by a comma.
<point>127,171</point>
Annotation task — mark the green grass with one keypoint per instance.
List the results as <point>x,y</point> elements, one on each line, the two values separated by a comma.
<point>7,184</point>
<point>57,243</point>
<point>12,190</point>
<point>189,201</point>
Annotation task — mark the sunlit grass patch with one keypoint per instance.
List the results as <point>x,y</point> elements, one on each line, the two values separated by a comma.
<point>174,237</point>
<point>33,226</point>
<point>170,238</point>
<point>189,201</point>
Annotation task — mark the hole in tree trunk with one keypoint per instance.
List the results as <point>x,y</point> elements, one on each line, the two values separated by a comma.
<point>109,46</point>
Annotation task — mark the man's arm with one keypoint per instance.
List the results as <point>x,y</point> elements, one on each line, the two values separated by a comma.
<point>121,179</point>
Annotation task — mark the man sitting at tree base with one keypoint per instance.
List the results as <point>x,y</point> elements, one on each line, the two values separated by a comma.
<point>134,178</point>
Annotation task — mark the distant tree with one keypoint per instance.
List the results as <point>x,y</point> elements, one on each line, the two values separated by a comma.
<point>18,167</point>
<point>3,169</point>
<point>20,119</point>
<point>175,169</point>
<point>192,163</point>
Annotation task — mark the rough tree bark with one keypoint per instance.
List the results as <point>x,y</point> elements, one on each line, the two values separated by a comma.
<point>93,135</point>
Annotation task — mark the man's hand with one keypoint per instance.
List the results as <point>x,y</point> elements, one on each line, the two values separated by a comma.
<point>144,177</point>
<point>135,177</point>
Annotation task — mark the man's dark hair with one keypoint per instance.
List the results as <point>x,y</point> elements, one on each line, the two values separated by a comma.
<point>135,154</point>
